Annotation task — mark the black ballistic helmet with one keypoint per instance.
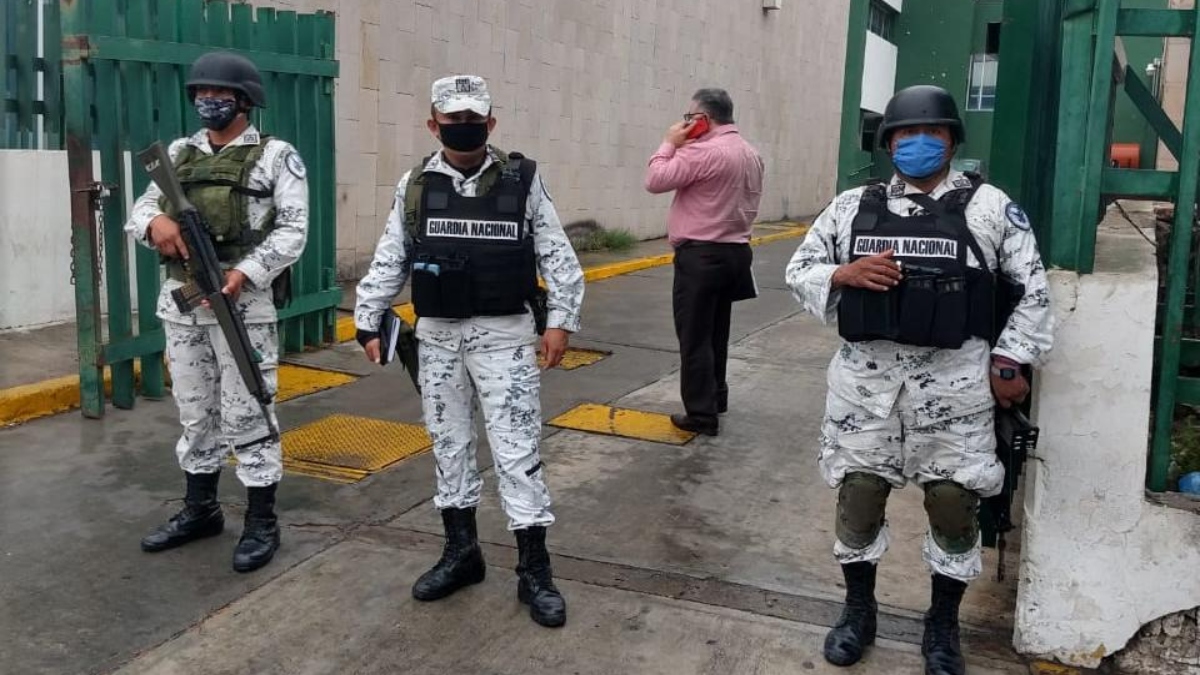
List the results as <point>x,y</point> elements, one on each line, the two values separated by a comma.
<point>230,71</point>
<point>922,104</point>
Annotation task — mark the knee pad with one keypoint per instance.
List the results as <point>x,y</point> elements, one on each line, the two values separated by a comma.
<point>860,512</point>
<point>953,515</point>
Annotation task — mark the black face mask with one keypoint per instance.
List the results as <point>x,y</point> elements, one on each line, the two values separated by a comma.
<point>465,136</point>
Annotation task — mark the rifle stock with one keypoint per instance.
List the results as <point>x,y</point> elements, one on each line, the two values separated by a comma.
<point>208,278</point>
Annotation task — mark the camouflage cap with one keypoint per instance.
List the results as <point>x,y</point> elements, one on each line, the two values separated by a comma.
<point>462,92</point>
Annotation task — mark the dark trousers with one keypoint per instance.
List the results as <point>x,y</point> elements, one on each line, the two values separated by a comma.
<point>709,278</point>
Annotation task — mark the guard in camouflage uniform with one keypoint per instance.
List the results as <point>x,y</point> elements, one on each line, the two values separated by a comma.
<point>252,191</point>
<point>910,271</point>
<point>474,227</point>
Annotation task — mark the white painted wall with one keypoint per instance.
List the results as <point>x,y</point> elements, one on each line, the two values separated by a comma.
<point>35,239</point>
<point>1099,560</point>
<point>879,73</point>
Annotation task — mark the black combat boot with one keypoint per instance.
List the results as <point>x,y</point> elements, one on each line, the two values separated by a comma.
<point>940,646</point>
<point>535,585</point>
<point>260,536</point>
<point>855,629</point>
<point>461,563</point>
<point>200,517</point>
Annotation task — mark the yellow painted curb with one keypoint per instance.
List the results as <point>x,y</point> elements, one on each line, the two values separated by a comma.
<point>31,401</point>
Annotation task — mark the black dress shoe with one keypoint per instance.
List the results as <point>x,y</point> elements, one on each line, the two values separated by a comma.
<point>694,425</point>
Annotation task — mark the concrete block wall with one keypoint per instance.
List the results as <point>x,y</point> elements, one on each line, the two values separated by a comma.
<point>1098,559</point>
<point>586,88</point>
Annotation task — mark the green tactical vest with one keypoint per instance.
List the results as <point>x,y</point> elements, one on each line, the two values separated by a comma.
<point>218,185</point>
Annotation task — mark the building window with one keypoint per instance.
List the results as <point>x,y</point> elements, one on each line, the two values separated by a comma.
<point>981,92</point>
<point>981,96</point>
<point>881,19</point>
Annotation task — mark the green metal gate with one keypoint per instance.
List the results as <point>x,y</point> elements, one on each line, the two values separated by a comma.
<point>119,89</point>
<point>1058,162</point>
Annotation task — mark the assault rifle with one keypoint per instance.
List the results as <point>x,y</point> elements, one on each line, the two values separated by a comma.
<point>1016,437</point>
<point>207,279</point>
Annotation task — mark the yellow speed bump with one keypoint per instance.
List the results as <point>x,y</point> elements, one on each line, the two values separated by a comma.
<point>604,419</point>
<point>346,448</point>
<point>297,381</point>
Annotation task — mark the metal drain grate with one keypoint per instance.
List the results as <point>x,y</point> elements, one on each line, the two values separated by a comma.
<point>346,448</point>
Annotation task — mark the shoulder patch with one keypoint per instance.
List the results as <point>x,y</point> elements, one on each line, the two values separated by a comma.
<point>1016,216</point>
<point>295,165</point>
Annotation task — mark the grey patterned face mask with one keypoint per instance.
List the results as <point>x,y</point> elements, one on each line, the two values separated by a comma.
<point>216,113</point>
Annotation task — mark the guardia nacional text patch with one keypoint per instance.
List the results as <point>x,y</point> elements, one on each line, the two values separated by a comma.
<point>909,247</point>
<point>504,230</point>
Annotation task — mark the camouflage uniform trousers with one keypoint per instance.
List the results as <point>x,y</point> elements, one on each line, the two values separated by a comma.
<point>508,385</point>
<point>960,449</point>
<point>218,414</point>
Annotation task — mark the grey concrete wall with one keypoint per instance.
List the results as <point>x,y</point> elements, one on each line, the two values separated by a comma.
<point>586,88</point>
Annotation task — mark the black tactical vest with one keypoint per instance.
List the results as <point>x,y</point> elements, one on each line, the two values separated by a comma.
<point>941,301</point>
<point>474,256</point>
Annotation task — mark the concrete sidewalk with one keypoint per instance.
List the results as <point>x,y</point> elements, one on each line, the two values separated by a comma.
<point>712,557</point>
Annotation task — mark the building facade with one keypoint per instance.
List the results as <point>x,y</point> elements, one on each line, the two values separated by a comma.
<point>587,89</point>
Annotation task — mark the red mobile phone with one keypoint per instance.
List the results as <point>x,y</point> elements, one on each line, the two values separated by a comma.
<point>699,128</point>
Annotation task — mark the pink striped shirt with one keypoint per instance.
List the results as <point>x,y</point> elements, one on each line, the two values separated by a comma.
<point>717,182</point>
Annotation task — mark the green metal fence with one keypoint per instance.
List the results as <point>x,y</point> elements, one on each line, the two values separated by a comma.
<point>32,77</point>
<point>113,73</point>
<point>1064,172</point>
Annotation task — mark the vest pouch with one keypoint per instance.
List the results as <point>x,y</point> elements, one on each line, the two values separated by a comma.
<point>442,286</point>
<point>983,320</point>
<point>499,287</point>
<point>918,304</point>
<point>868,315</point>
<point>950,318</point>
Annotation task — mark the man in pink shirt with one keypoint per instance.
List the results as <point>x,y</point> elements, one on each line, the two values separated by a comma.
<point>717,179</point>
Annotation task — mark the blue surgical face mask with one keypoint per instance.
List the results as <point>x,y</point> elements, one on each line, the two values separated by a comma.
<point>919,156</point>
<point>216,113</point>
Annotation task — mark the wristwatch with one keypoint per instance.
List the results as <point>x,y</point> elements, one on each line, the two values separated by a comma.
<point>1005,371</point>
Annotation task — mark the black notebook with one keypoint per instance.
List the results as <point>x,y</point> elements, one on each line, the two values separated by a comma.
<point>389,336</point>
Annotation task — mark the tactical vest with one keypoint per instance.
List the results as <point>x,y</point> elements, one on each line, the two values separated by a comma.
<point>218,185</point>
<point>472,256</point>
<point>941,301</point>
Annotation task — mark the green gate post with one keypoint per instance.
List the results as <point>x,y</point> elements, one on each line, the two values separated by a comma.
<point>83,215</point>
<point>108,118</point>
<point>1177,280</point>
<point>1026,117</point>
<point>140,115</point>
